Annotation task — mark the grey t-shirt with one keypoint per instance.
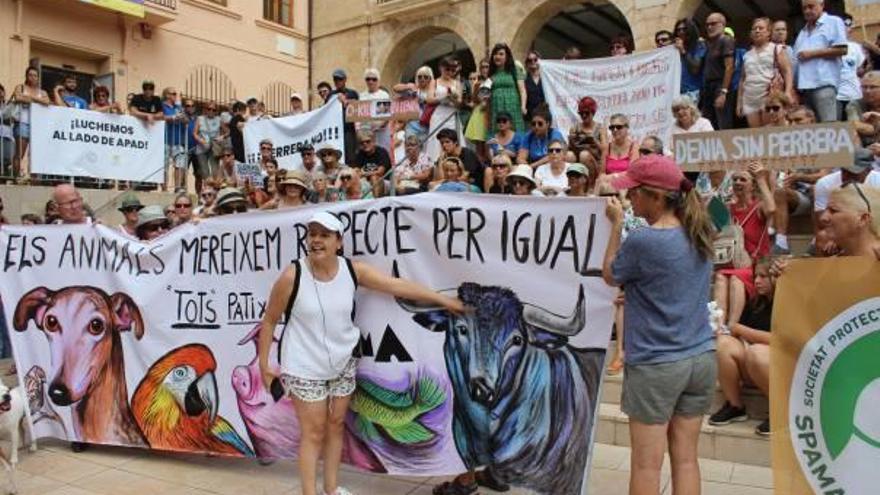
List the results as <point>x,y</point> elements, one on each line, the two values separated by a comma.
<point>667,291</point>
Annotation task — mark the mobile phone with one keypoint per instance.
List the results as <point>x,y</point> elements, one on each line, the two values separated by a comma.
<point>276,389</point>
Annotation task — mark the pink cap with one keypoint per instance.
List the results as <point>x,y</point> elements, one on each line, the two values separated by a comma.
<point>655,171</point>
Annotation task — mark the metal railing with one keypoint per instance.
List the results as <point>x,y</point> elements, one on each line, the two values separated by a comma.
<point>168,4</point>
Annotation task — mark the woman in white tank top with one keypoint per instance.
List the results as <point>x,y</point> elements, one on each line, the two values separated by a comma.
<point>319,342</point>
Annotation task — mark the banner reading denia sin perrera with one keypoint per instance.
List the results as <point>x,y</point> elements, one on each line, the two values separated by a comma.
<point>814,146</point>
<point>153,345</point>
<point>825,381</point>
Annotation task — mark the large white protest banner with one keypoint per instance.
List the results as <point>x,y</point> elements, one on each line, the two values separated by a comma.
<point>290,134</point>
<point>167,330</point>
<point>73,142</point>
<point>640,86</point>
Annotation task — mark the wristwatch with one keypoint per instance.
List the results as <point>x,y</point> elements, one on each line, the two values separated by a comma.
<point>723,91</point>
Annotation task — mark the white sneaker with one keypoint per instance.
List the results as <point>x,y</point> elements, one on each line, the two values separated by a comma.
<point>340,491</point>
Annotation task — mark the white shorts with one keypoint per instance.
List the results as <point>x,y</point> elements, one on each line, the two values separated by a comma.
<point>308,390</point>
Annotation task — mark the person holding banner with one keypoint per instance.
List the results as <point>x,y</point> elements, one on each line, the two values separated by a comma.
<point>320,342</point>
<point>101,101</point>
<point>587,140</point>
<point>669,375</point>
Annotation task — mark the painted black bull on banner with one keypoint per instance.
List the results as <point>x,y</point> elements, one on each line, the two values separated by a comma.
<point>523,398</point>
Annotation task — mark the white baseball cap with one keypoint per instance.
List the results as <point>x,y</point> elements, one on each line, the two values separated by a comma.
<point>327,220</point>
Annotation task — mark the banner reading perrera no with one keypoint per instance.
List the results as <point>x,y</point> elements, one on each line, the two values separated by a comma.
<point>168,329</point>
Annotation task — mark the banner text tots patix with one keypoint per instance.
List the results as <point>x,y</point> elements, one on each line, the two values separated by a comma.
<point>154,344</point>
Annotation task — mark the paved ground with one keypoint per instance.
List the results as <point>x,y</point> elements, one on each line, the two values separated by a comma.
<point>55,470</point>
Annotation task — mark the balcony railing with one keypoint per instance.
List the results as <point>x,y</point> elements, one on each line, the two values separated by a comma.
<point>168,4</point>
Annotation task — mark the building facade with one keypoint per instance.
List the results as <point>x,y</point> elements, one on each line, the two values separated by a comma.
<point>208,49</point>
<point>398,35</point>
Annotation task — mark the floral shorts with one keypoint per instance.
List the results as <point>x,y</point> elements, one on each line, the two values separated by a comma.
<point>308,390</point>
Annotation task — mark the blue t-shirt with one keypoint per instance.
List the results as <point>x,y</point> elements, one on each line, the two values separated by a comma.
<point>689,81</point>
<point>513,146</point>
<point>667,292</point>
<point>75,101</point>
<point>175,132</point>
<point>537,146</point>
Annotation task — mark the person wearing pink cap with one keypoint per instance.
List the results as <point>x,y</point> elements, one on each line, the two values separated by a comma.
<point>670,369</point>
<point>313,300</point>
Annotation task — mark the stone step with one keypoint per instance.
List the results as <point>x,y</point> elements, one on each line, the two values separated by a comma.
<point>755,403</point>
<point>736,442</point>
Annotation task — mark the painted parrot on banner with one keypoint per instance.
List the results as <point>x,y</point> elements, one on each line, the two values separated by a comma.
<point>176,404</point>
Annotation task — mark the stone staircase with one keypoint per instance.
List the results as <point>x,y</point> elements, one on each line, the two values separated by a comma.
<point>736,442</point>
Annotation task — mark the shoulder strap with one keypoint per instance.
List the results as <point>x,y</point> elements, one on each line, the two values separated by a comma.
<point>351,271</point>
<point>750,213</point>
<point>293,291</point>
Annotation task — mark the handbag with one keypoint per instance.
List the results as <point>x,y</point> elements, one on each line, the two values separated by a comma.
<point>777,82</point>
<point>729,246</point>
<point>427,112</point>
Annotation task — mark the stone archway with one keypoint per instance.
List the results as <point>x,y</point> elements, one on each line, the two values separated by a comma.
<point>397,59</point>
<point>615,17</point>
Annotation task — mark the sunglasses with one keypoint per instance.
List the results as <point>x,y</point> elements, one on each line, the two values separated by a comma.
<point>130,209</point>
<point>208,195</point>
<point>713,23</point>
<point>773,108</point>
<point>645,151</point>
<point>519,182</point>
<point>308,153</point>
<point>371,79</point>
<point>584,113</point>
<point>155,227</point>
<point>266,148</point>
<point>422,77</point>
<point>662,40</point>
<point>500,165</point>
<point>502,121</point>
<point>239,208</point>
<point>616,127</point>
<point>858,189</point>
<point>182,205</point>
<point>538,123</point>
<point>554,150</point>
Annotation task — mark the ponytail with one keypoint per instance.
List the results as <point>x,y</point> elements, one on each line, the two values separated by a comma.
<point>693,216</point>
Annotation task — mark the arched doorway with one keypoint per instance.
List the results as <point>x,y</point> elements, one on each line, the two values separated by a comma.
<point>426,46</point>
<point>740,13</point>
<point>559,24</point>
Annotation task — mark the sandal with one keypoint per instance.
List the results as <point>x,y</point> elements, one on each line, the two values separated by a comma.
<point>615,366</point>
<point>487,478</point>
<point>454,488</point>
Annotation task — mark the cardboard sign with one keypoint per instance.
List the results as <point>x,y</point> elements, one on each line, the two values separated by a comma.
<point>402,109</point>
<point>815,146</point>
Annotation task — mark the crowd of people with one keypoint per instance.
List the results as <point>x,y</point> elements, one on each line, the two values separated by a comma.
<point>491,132</point>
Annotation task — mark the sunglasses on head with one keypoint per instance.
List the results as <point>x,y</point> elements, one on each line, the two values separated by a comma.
<point>858,189</point>
<point>616,127</point>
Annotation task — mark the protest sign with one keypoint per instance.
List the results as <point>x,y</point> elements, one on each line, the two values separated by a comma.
<point>824,378</point>
<point>168,329</point>
<point>640,86</point>
<point>826,145</point>
<point>73,142</point>
<point>402,109</point>
<point>290,134</point>
<point>248,174</point>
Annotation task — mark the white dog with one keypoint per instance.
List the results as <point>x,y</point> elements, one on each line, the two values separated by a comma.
<point>13,424</point>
